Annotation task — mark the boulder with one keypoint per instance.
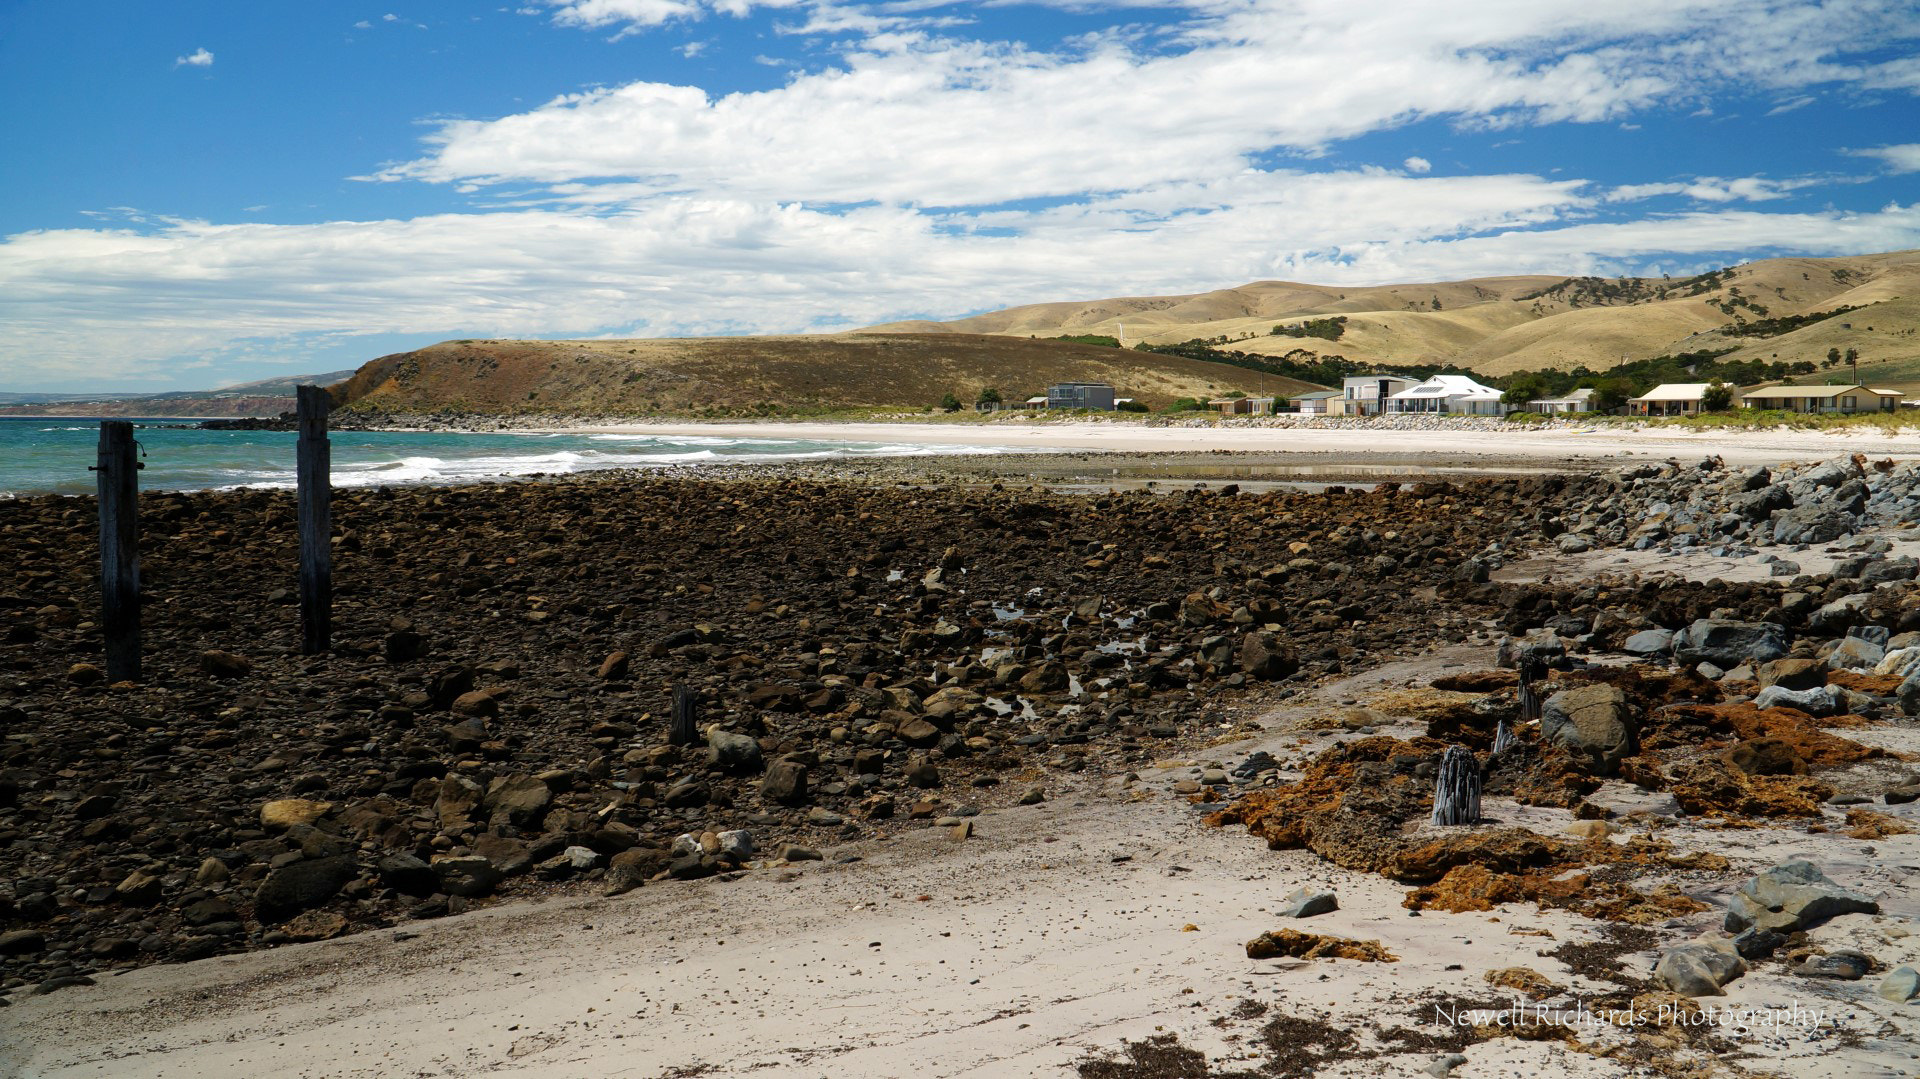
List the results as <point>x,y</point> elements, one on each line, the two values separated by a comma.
<point>220,664</point>
<point>1592,722</point>
<point>300,886</point>
<point>1648,643</point>
<point>786,782</point>
<point>468,875</point>
<point>1814,702</point>
<point>1698,968</point>
<point>1792,673</point>
<point>1263,656</point>
<point>732,752</point>
<point>1814,523</point>
<point>633,867</point>
<point>1728,644</point>
<point>1790,897</point>
<point>478,704</point>
<point>408,875</point>
<point>1900,986</point>
<point>1844,965</point>
<point>284,813</point>
<point>1854,654</point>
<point>1305,903</point>
<point>518,800</point>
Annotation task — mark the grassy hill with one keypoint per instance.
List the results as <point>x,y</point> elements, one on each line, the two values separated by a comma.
<point>1500,325</point>
<point>746,376</point>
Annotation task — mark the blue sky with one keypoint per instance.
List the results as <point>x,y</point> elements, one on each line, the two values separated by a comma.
<point>200,193</point>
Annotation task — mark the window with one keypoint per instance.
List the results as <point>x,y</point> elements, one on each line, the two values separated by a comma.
<point>1847,403</point>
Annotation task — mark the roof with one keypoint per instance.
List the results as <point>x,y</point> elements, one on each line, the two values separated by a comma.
<point>1446,386</point>
<point>1676,391</point>
<point>1317,395</point>
<point>1816,391</point>
<point>1579,396</point>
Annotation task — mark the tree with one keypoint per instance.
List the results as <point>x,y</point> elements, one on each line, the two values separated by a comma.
<point>1611,393</point>
<point>1833,356</point>
<point>988,396</point>
<point>1853,355</point>
<point>949,403</point>
<point>1529,386</point>
<point>1717,397</point>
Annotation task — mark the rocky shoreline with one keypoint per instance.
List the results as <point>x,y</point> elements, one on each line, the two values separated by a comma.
<point>877,658</point>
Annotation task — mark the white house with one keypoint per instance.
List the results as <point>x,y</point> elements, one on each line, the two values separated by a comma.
<point>1580,400</point>
<point>1455,395</point>
<point>1669,399</point>
<point>1362,395</point>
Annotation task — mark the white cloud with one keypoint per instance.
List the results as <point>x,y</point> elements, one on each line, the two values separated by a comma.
<point>363,25</point>
<point>1418,164</point>
<point>692,49</point>
<point>1901,158</point>
<point>198,58</point>
<point>120,302</point>
<point>922,119</point>
<point>1716,189</point>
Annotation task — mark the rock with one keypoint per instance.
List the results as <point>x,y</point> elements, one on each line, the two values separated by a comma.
<point>467,875</point>
<point>1728,644</point>
<point>792,853</point>
<point>220,664</point>
<point>518,800</point>
<point>1305,903</point>
<point>508,856</point>
<point>22,942</point>
<point>687,794</point>
<point>918,732</point>
<point>284,813</point>
<point>614,667</point>
<point>1698,968</point>
<point>299,886</point>
<point>1792,674</point>
<point>569,862</point>
<point>1900,986</point>
<point>1291,943</point>
<point>1844,965</point>
<point>1814,702</point>
<point>139,888</point>
<point>1589,829</point>
<point>1766,757</point>
<point>408,875</point>
<point>1265,657</point>
<point>1593,723</point>
<point>1648,643</point>
<point>735,844</point>
<point>785,783</point>
<point>1574,543</point>
<point>736,753</point>
<point>315,925</point>
<point>85,674</point>
<point>924,775</point>
<point>1444,1066</point>
<point>631,868</point>
<point>458,798</point>
<point>476,704</point>
<point>1854,654</point>
<point>1033,797</point>
<point>212,871</point>
<point>1792,896</point>
<point>1757,944</point>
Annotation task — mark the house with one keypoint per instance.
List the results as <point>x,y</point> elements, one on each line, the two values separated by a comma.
<point>1095,395</point>
<point>1036,401</point>
<point>1455,395</point>
<point>1580,400</point>
<point>1852,398</point>
<point>1319,402</point>
<point>1242,406</point>
<point>1669,399</point>
<point>1362,395</point>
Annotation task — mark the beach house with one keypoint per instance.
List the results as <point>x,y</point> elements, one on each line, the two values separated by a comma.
<point>1318,402</point>
<point>1448,395</point>
<point>1852,398</point>
<point>1242,406</point>
<point>1365,395</point>
<point>1094,395</point>
<point>1669,399</point>
<point>1580,400</point>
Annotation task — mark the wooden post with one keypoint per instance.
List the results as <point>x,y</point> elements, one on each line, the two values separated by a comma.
<point>119,502</point>
<point>315,472</point>
<point>684,714</point>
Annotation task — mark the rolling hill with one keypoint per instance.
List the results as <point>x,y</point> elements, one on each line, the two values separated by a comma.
<point>769,375</point>
<point>267,397</point>
<point>1499,325</point>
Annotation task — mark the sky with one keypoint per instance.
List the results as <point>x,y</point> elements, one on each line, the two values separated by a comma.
<point>195,193</point>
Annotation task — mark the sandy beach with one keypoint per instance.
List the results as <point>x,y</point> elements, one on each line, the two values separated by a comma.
<point>1352,444</point>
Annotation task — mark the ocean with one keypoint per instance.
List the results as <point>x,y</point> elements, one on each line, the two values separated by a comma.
<point>53,455</point>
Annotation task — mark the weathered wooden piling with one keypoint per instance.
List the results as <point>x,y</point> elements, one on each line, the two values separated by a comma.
<point>118,469</point>
<point>685,714</point>
<point>1456,793</point>
<point>315,478</point>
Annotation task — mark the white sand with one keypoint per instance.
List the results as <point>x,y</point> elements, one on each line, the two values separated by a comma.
<point>1737,447</point>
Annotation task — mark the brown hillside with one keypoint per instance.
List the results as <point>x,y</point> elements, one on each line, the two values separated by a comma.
<point>1498,325</point>
<point>746,375</point>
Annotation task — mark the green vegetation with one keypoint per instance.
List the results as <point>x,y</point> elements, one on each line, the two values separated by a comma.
<point>949,403</point>
<point>1774,327</point>
<point>1889,423</point>
<point>1717,397</point>
<point>1328,329</point>
<point>1130,406</point>
<point>1089,339</point>
<point>1186,404</point>
<point>988,396</point>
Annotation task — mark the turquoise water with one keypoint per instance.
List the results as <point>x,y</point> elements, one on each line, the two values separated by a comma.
<point>40,455</point>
